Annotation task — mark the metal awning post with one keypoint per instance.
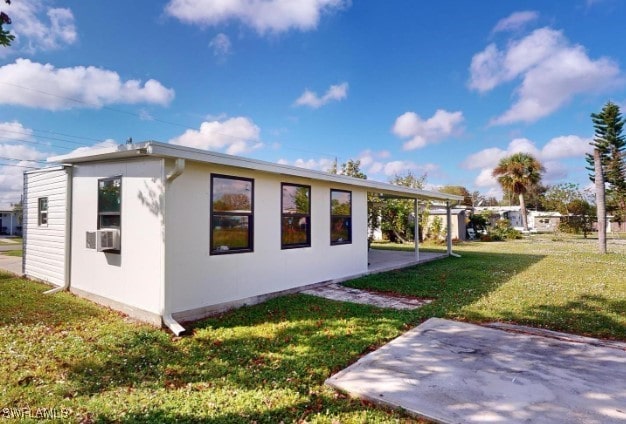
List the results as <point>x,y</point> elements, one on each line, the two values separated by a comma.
<point>416,236</point>
<point>449,227</point>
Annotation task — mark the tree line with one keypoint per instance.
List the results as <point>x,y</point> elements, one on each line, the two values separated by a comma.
<point>520,177</point>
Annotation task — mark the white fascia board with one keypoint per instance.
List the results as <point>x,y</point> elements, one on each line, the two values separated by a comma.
<point>121,151</point>
<point>48,169</point>
<point>152,148</point>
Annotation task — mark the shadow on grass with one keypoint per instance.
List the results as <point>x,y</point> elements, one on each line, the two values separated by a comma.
<point>283,349</point>
<point>24,302</point>
<point>453,283</point>
<point>293,341</point>
<point>594,316</point>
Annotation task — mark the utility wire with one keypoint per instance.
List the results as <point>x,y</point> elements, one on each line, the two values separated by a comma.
<point>136,115</point>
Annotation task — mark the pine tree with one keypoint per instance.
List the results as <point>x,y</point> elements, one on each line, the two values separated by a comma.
<point>609,160</point>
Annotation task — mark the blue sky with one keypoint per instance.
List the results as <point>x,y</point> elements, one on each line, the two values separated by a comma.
<point>445,88</point>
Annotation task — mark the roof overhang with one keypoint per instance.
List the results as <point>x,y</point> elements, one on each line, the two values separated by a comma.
<point>162,150</point>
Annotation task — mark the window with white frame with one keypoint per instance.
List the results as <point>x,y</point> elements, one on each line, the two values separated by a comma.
<point>42,211</point>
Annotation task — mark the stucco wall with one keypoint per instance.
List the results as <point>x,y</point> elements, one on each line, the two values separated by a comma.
<point>135,276</point>
<point>195,279</point>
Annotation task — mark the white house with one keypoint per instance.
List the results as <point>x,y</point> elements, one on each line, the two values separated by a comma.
<point>168,233</point>
<point>458,224</point>
<point>9,223</point>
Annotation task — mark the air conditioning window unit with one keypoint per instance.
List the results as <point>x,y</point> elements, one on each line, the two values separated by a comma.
<point>90,239</point>
<point>107,239</point>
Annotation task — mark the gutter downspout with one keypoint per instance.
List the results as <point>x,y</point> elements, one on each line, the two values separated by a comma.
<point>167,318</point>
<point>68,236</point>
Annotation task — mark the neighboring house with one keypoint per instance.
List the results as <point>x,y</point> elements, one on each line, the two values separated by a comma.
<point>511,213</point>
<point>544,221</point>
<point>458,221</point>
<point>9,223</point>
<point>166,233</point>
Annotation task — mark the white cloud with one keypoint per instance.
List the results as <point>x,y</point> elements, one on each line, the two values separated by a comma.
<point>16,156</point>
<point>371,164</point>
<point>221,45</point>
<point>36,85</point>
<point>264,16</point>
<point>485,178</point>
<point>485,158</point>
<point>562,147</point>
<point>234,136</point>
<point>100,145</point>
<point>37,27</point>
<point>398,167</point>
<point>335,92</point>
<point>566,146</point>
<point>12,181</point>
<point>555,172</point>
<point>422,132</point>
<point>515,21</point>
<point>551,69</point>
<point>14,131</point>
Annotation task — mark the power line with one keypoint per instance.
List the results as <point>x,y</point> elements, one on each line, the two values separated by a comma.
<point>20,166</point>
<point>36,142</point>
<point>134,114</point>
<point>25,160</point>
<point>45,137</point>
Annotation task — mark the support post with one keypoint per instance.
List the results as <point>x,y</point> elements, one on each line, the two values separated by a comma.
<point>449,227</point>
<point>416,236</point>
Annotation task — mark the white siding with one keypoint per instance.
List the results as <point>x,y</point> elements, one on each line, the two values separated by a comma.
<point>195,279</point>
<point>45,248</point>
<point>134,277</point>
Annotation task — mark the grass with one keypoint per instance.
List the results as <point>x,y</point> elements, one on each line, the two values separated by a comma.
<point>17,253</point>
<point>268,362</point>
<point>9,241</point>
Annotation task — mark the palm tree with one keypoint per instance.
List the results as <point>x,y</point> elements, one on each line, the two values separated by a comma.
<point>517,174</point>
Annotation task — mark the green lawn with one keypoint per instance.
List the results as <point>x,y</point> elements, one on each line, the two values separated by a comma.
<point>17,253</point>
<point>267,363</point>
<point>10,240</point>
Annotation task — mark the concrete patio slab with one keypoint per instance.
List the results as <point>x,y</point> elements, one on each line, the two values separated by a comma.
<point>381,260</point>
<point>454,372</point>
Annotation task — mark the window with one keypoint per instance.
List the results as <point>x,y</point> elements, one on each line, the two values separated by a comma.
<point>42,211</point>
<point>110,203</point>
<point>231,214</point>
<point>296,216</point>
<point>340,217</point>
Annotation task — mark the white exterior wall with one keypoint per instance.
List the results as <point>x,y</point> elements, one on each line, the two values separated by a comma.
<point>45,246</point>
<point>195,279</point>
<point>134,277</point>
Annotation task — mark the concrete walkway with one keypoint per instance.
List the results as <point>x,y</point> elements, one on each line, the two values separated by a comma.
<point>346,294</point>
<point>454,372</point>
<point>11,264</point>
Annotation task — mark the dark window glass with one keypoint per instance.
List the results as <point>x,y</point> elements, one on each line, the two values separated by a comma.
<point>110,203</point>
<point>296,216</point>
<point>340,217</point>
<point>231,214</point>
